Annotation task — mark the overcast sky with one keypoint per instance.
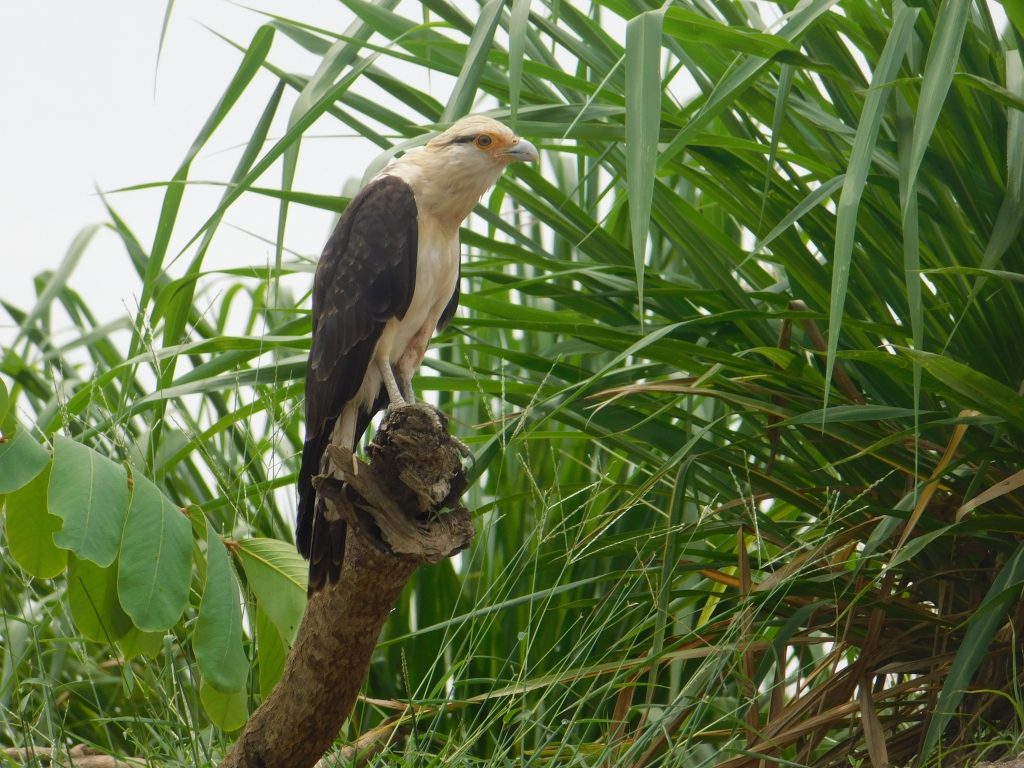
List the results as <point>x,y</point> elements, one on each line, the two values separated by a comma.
<point>86,108</point>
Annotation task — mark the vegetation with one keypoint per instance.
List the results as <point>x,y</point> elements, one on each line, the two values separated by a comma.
<point>740,365</point>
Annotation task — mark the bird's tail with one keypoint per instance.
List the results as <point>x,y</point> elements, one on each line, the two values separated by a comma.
<point>319,540</point>
<point>312,451</point>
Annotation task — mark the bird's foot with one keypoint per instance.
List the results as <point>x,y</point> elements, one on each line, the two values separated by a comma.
<point>395,399</point>
<point>405,387</point>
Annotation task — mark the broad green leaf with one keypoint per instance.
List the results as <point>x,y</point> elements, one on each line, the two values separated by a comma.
<point>643,121</point>
<point>155,566</point>
<point>89,492</point>
<point>30,530</point>
<point>227,710</point>
<point>271,650</point>
<point>217,641</point>
<point>277,576</point>
<point>200,525</point>
<point>5,401</point>
<point>92,596</point>
<point>137,642</point>
<point>983,624</point>
<point>21,458</point>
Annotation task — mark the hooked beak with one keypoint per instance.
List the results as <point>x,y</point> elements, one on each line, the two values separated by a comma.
<point>521,150</point>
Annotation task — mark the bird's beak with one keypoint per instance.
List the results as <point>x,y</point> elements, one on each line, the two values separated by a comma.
<point>521,150</point>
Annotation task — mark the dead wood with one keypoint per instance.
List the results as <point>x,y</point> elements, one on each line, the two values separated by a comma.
<point>402,510</point>
<point>79,756</point>
<point>366,747</point>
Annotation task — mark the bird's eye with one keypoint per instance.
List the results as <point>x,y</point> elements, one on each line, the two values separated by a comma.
<point>483,140</point>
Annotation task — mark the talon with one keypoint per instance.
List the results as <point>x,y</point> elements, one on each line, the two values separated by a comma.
<point>394,392</point>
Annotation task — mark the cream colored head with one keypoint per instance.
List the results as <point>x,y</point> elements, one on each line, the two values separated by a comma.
<point>452,171</point>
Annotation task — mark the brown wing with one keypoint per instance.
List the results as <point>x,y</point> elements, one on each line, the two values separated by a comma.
<point>366,276</point>
<point>453,304</point>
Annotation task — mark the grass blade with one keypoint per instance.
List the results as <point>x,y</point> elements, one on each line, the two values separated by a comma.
<point>857,173</point>
<point>643,120</point>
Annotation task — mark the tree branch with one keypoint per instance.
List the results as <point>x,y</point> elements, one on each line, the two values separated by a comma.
<point>79,756</point>
<point>393,507</point>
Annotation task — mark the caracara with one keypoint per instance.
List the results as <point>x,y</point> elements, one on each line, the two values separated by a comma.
<point>388,277</point>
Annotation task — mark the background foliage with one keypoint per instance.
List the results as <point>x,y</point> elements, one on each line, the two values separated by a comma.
<point>740,364</point>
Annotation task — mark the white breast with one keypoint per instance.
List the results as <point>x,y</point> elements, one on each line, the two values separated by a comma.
<point>404,342</point>
<point>437,272</point>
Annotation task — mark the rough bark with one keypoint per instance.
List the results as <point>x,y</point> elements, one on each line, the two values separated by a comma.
<point>402,510</point>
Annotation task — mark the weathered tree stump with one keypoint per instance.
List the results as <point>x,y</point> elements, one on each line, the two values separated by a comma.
<point>402,510</point>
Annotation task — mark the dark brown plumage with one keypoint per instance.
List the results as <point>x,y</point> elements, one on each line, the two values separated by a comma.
<point>365,277</point>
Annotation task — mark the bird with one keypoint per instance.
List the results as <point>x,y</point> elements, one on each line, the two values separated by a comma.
<point>388,278</point>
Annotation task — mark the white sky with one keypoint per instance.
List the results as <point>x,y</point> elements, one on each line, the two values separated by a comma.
<point>81,112</point>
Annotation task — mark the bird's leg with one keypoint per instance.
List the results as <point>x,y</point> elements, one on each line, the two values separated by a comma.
<point>405,385</point>
<point>344,433</point>
<point>394,393</point>
<point>410,361</point>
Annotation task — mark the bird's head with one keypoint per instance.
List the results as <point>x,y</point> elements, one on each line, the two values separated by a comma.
<point>481,142</point>
<point>455,168</point>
